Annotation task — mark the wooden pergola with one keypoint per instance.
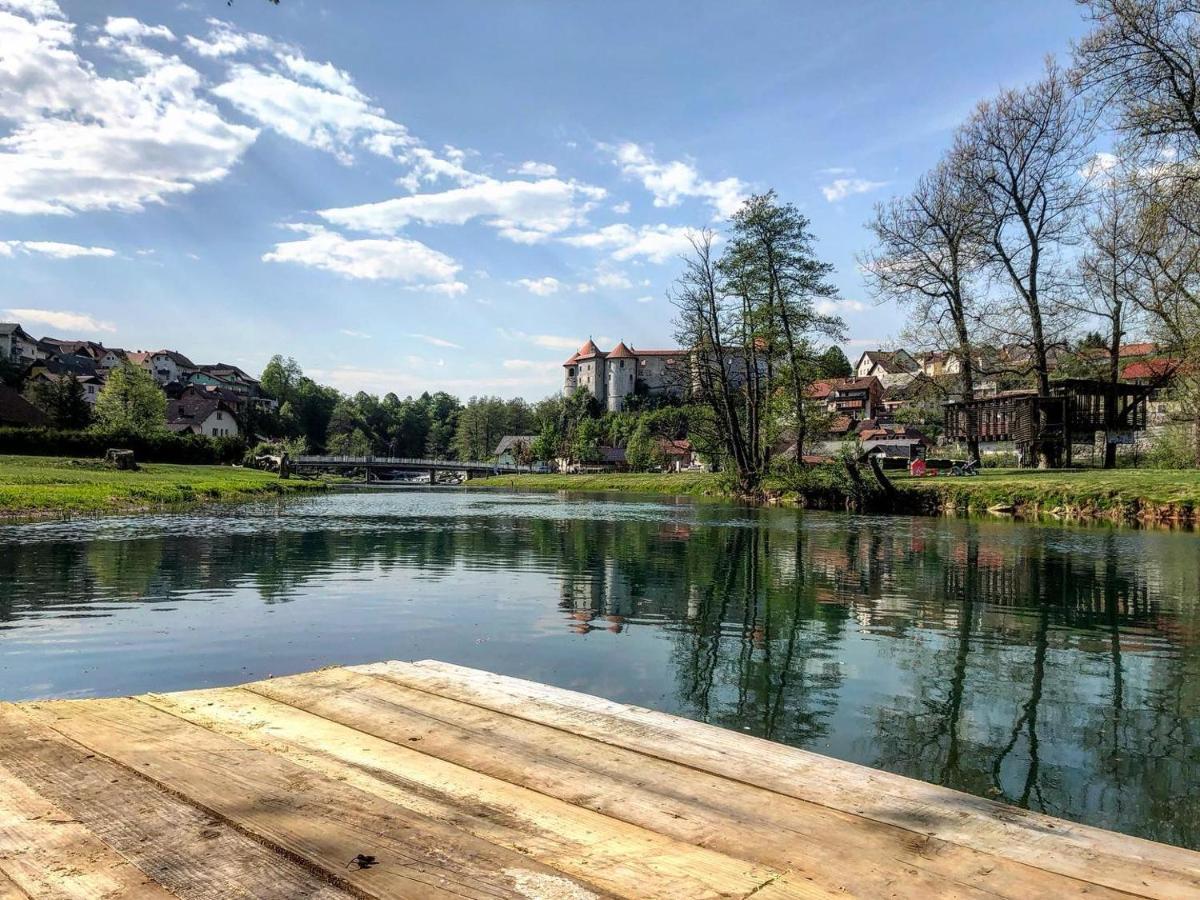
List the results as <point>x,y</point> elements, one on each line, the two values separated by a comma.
<point>1075,407</point>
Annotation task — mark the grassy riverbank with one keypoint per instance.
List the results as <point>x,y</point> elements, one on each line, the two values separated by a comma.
<point>672,483</point>
<point>1116,495</point>
<point>53,486</point>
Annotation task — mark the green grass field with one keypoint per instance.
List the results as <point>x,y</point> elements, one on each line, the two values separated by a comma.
<point>1098,488</point>
<point>674,483</point>
<point>38,486</point>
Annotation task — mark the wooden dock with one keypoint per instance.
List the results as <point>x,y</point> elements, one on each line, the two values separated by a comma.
<point>431,780</point>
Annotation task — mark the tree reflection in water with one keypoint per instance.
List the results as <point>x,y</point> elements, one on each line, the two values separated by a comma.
<point>1056,669</point>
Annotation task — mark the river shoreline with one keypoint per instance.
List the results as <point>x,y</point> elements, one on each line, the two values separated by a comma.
<point>39,488</point>
<point>1153,498</point>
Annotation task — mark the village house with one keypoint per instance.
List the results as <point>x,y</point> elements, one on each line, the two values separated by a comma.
<point>513,449</point>
<point>199,412</point>
<point>623,371</point>
<point>853,399</point>
<point>16,344</point>
<point>889,366</point>
<point>165,365</point>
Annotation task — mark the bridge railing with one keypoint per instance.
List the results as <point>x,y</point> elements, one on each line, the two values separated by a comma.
<point>402,462</point>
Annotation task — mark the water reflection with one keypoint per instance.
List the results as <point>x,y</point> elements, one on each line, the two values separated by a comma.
<point>1056,669</point>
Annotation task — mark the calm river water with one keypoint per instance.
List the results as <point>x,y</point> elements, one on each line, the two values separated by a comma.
<point>1055,668</point>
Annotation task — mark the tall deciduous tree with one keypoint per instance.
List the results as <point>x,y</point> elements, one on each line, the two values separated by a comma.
<point>751,322</point>
<point>928,254</point>
<point>771,263</point>
<point>1108,286</point>
<point>1141,63</point>
<point>1021,156</point>
<point>131,401</point>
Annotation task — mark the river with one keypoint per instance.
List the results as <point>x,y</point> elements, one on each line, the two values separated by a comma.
<point>1057,668</point>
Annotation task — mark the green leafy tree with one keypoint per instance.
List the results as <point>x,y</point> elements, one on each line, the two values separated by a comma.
<point>62,400</point>
<point>131,401</point>
<point>833,364</point>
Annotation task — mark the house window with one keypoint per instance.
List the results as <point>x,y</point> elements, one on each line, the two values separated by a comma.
<point>571,372</point>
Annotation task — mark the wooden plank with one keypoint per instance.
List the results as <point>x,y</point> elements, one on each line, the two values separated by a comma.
<point>189,852</point>
<point>322,823</point>
<point>9,889</point>
<point>704,809</point>
<point>1116,861</point>
<point>622,859</point>
<point>44,852</point>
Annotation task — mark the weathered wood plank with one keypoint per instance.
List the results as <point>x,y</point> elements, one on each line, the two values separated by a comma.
<point>1116,861</point>
<point>623,859</point>
<point>708,810</point>
<point>44,852</point>
<point>189,852</point>
<point>322,823</point>
<point>9,889</point>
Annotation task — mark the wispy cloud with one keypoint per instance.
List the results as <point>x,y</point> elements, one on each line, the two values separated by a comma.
<point>59,318</point>
<point>350,332</point>
<point>541,287</point>
<point>436,341</point>
<point>549,341</point>
<point>841,188</point>
<point>676,179</point>
<point>53,249</point>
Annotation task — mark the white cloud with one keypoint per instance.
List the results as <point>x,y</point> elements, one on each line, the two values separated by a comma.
<point>350,332</point>
<point>535,169</point>
<point>621,208</point>
<point>393,259</point>
<point>828,306</point>
<point>548,341</point>
<point>523,211</point>
<point>134,29</point>
<point>327,120</point>
<point>542,287</point>
<point>841,188</point>
<point>436,341</point>
<point>57,318</point>
<point>53,249</point>
<point>226,40</point>
<point>656,243</point>
<point>419,377</point>
<point>82,141</point>
<point>325,75</point>
<point>670,182</point>
<point>646,299</point>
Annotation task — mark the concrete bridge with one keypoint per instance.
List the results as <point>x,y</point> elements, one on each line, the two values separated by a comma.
<point>369,464</point>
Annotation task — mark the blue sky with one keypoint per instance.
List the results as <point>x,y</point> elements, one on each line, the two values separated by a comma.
<point>453,196</point>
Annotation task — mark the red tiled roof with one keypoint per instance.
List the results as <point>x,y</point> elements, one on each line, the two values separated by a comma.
<point>1143,349</point>
<point>574,359</point>
<point>588,350</point>
<point>620,352</point>
<point>1151,368</point>
<point>819,390</point>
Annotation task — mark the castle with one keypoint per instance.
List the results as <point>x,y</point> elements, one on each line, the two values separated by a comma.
<point>611,377</point>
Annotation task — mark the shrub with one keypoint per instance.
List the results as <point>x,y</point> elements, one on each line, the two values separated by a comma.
<point>155,446</point>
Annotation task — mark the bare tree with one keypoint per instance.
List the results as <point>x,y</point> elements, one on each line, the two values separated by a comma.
<point>713,327</point>
<point>927,253</point>
<point>1142,62</point>
<point>1021,154</point>
<point>1108,284</point>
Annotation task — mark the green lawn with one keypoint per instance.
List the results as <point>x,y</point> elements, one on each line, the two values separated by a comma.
<point>36,485</point>
<point>1099,488</point>
<point>677,483</point>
